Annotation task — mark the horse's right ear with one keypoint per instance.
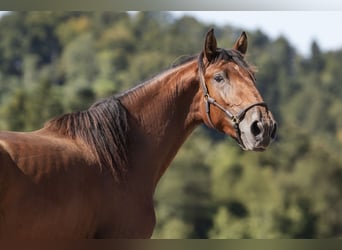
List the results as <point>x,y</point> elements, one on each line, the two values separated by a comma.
<point>241,44</point>
<point>210,45</point>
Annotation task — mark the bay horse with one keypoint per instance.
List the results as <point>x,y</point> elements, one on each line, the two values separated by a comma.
<point>93,173</point>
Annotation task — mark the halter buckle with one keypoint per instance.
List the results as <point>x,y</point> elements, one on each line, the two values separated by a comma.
<point>235,120</point>
<point>209,99</point>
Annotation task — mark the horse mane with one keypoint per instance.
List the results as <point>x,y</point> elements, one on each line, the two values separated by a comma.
<point>103,127</point>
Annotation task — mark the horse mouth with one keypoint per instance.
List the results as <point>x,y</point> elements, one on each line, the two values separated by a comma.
<point>252,143</point>
<point>260,149</point>
<point>252,148</point>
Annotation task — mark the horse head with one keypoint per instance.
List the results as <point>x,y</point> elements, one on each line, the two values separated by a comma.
<point>232,104</point>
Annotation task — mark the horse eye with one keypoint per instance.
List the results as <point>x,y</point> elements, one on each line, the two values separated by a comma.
<point>218,78</point>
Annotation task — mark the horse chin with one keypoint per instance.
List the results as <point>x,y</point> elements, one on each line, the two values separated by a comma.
<point>245,145</point>
<point>250,143</point>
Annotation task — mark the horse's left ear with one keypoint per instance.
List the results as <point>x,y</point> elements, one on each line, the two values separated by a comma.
<point>210,45</point>
<point>241,43</point>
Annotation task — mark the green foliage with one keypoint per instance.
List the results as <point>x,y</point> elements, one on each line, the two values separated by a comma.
<point>52,63</point>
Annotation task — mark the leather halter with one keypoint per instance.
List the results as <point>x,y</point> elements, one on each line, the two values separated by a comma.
<point>235,119</point>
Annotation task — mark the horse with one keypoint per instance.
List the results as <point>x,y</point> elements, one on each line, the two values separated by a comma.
<point>93,173</point>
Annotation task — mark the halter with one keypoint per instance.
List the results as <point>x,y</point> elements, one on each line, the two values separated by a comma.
<point>235,119</point>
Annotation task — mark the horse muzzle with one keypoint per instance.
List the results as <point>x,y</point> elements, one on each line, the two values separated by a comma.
<point>257,130</point>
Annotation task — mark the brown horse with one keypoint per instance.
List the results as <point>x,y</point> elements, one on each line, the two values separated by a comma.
<point>92,174</point>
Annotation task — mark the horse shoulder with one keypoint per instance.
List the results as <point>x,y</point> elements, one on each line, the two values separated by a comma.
<point>12,182</point>
<point>7,166</point>
<point>49,177</point>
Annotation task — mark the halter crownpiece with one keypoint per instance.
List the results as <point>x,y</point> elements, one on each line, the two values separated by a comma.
<point>235,119</point>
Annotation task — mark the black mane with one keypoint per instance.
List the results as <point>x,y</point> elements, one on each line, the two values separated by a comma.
<point>103,127</point>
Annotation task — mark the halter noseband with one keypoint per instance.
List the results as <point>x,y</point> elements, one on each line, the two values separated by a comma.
<point>236,119</point>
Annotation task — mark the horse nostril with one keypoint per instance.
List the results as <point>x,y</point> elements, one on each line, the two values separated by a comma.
<point>255,129</point>
<point>274,131</point>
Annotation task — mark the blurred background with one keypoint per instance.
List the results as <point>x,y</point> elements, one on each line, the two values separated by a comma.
<point>57,62</point>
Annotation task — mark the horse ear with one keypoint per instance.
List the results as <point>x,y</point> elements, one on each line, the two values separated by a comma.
<point>241,43</point>
<point>210,45</point>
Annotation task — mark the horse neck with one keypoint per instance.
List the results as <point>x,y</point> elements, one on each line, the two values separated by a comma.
<point>162,113</point>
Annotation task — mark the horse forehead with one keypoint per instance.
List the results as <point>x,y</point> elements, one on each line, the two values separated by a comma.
<point>236,67</point>
<point>233,70</point>
<point>241,73</point>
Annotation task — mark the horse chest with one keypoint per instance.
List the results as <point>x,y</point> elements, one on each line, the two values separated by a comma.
<point>126,216</point>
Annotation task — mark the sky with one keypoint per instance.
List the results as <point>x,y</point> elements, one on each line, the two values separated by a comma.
<point>299,27</point>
